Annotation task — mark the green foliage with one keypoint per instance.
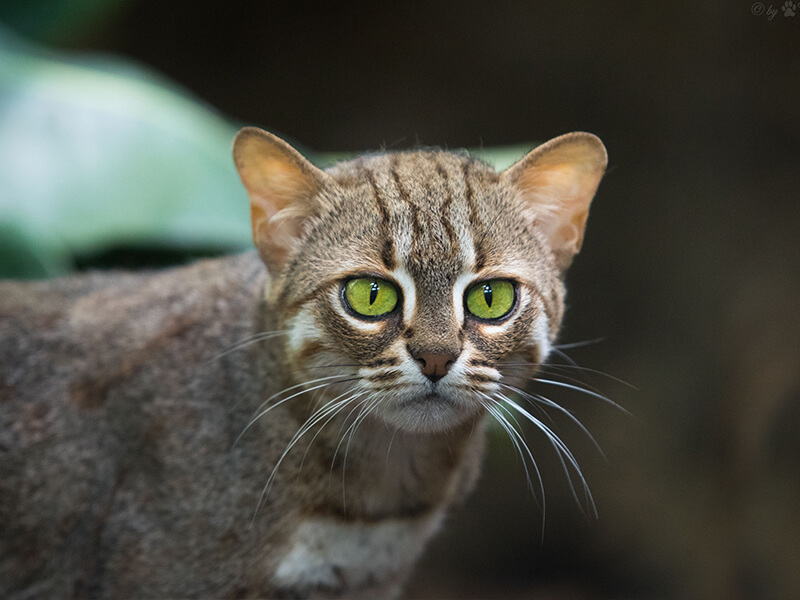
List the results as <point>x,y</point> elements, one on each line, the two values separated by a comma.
<point>97,153</point>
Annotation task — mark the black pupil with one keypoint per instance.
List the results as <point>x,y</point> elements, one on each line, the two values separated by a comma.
<point>487,294</point>
<point>373,293</point>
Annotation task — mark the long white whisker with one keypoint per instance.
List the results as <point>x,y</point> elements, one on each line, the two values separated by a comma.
<point>258,337</point>
<point>343,432</point>
<point>389,448</point>
<point>515,438</point>
<point>374,401</point>
<point>580,344</point>
<point>583,391</point>
<point>593,371</point>
<point>261,413</point>
<point>354,396</point>
<point>493,408</point>
<point>534,405</point>
<point>562,451</point>
<point>555,370</point>
<point>330,408</point>
<point>544,400</point>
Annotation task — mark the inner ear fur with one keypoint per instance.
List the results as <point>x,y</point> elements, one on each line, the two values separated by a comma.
<point>558,181</point>
<point>283,187</point>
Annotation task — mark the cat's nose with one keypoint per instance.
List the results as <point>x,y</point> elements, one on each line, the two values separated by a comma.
<point>435,365</point>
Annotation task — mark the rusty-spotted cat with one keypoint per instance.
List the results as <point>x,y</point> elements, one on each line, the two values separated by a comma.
<point>291,423</point>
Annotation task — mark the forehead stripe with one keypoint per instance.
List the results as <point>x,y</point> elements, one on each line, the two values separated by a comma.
<point>387,248</point>
<point>404,196</point>
<point>480,251</point>
<point>448,201</point>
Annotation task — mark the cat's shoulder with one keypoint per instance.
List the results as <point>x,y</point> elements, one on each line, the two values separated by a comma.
<point>112,321</point>
<point>102,294</point>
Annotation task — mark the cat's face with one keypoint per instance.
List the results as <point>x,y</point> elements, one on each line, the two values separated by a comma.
<point>416,285</point>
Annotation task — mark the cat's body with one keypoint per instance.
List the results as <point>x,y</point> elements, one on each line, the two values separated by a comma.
<point>130,462</point>
<point>119,475</point>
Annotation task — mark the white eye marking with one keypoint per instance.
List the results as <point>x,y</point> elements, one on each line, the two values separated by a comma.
<point>302,328</point>
<point>458,295</point>
<point>541,333</point>
<point>402,240</point>
<point>467,247</point>
<point>409,291</point>
<point>356,323</point>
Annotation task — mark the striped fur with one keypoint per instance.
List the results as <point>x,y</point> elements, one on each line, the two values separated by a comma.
<point>229,431</point>
<point>433,223</point>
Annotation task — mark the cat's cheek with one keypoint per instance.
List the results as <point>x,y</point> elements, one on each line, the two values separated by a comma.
<point>303,334</point>
<point>541,337</point>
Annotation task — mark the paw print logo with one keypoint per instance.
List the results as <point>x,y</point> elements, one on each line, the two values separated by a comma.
<point>788,8</point>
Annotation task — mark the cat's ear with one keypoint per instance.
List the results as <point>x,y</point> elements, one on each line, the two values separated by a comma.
<point>558,180</point>
<point>283,188</point>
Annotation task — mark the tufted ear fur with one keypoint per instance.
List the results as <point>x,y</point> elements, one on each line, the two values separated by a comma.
<point>283,188</point>
<point>558,180</point>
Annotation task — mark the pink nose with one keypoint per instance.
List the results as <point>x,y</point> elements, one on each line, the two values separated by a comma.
<point>435,365</point>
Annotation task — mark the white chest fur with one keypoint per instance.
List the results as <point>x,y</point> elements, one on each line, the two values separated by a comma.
<point>332,556</point>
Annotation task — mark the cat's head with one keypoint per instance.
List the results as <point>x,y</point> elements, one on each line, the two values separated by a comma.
<point>417,283</point>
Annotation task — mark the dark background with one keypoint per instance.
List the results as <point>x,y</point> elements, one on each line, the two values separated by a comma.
<point>690,271</point>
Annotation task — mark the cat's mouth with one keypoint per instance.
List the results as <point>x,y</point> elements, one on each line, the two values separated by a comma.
<point>429,410</point>
<point>430,397</point>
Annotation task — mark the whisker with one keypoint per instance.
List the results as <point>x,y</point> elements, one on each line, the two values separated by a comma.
<point>241,344</point>
<point>513,433</point>
<point>389,448</point>
<point>352,398</point>
<point>554,373</point>
<point>562,451</point>
<point>583,391</point>
<point>493,408</point>
<point>565,356</point>
<point>571,366</point>
<point>374,401</point>
<point>571,345</point>
<point>329,409</point>
<point>334,366</point>
<point>261,413</point>
<point>343,432</point>
<point>534,398</point>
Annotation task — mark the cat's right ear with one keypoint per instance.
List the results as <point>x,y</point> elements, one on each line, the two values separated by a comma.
<point>558,181</point>
<point>283,187</point>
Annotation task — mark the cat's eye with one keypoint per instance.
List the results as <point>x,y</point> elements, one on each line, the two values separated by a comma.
<point>370,296</point>
<point>491,299</point>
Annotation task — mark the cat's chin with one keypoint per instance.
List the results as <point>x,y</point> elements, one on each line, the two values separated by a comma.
<point>428,413</point>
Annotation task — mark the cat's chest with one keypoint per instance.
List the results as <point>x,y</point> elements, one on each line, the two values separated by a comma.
<point>328,556</point>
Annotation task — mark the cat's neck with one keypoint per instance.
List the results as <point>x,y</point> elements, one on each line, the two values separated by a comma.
<point>381,472</point>
<point>407,473</point>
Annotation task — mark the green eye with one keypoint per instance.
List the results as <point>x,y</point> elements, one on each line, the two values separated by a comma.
<point>491,299</point>
<point>370,296</point>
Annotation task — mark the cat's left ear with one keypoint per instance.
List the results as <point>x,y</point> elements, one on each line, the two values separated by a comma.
<point>558,180</point>
<point>283,187</point>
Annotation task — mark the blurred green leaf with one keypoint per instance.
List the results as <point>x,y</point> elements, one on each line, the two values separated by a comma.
<point>97,153</point>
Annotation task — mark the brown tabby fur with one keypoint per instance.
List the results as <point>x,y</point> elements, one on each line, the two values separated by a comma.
<point>129,464</point>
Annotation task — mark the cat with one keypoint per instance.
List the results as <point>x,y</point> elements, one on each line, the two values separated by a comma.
<point>296,421</point>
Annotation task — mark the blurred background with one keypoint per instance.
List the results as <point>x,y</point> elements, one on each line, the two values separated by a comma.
<point>116,121</point>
